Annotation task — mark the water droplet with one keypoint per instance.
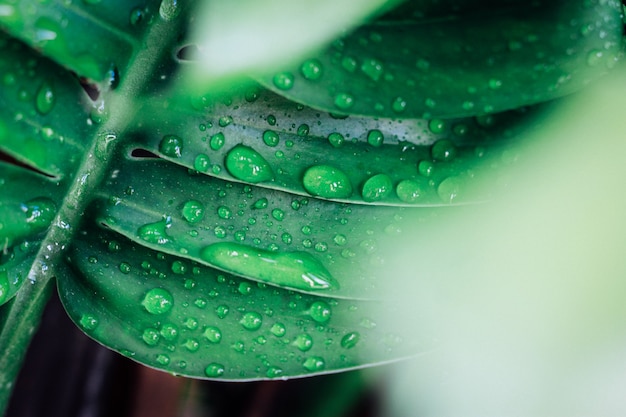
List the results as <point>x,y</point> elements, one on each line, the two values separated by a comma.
<point>373,68</point>
<point>426,168</point>
<point>377,188</point>
<point>169,332</point>
<point>350,340</point>
<point>125,268</point>
<point>495,83</point>
<point>349,63</point>
<point>271,120</point>
<point>87,321</point>
<point>297,270</point>
<point>214,370</point>
<point>193,211</point>
<point>39,213</point>
<point>273,372</point>
<point>163,359</point>
<point>283,80</point>
<point>192,345</point>
<point>311,69</point>
<point>375,138</point>
<point>344,101</point>
<point>158,301</point>
<point>278,214</point>
<point>594,57</point>
<point>336,139</point>
<point>314,364</point>
<point>271,138</point>
<point>409,191</point>
<point>179,268</point>
<point>213,334</point>
<point>443,150</point>
<point>260,204</point>
<point>150,337</point>
<point>340,240</point>
<point>251,321</point>
<point>217,141</point>
<point>398,105</point>
<point>172,146</point>
<point>45,98</point>
<point>320,311</point>
<point>278,329</point>
<point>448,190</point>
<point>222,311</point>
<point>303,342</point>
<point>224,212</point>
<point>327,181</point>
<point>303,130</point>
<point>437,126</point>
<point>246,164</point>
<point>155,232</point>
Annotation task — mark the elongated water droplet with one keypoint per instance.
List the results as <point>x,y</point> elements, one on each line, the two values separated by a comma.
<point>246,164</point>
<point>298,270</point>
<point>350,340</point>
<point>327,181</point>
<point>158,301</point>
<point>377,188</point>
<point>45,98</point>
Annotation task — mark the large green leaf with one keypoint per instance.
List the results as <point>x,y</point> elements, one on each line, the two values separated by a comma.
<point>157,209</point>
<point>430,61</point>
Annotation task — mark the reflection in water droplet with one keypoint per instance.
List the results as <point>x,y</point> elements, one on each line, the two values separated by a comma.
<point>158,301</point>
<point>336,139</point>
<point>217,141</point>
<point>375,138</point>
<point>344,101</point>
<point>320,311</point>
<point>303,342</point>
<point>172,146</point>
<point>327,181</point>
<point>311,69</point>
<point>377,188</point>
<point>155,232</point>
<point>278,329</point>
<point>409,191</point>
<point>283,80</point>
<point>246,164</point>
<point>214,370</point>
<point>443,150</point>
<point>314,364</point>
<point>297,270</point>
<point>270,138</point>
<point>251,321</point>
<point>193,211</point>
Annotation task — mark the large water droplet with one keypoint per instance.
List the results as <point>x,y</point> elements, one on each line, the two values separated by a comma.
<point>158,301</point>
<point>246,164</point>
<point>202,163</point>
<point>377,188</point>
<point>409,191</point>
<point>283,80</point>
<point>443,150</point>
<point>327,181</point>
<point>298,270</point>
<point>217,141</point>
<point>375,138</point>
<point>172,146</point>
<point>270,138</point>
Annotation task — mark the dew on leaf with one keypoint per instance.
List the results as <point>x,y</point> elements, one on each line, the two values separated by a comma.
<point>179,268</point>
<point>398,105</point>
<point>270,138</point>
<point>251,321</point>
<point>437,126</point>
<point>336,139</point>
<point>155,232</point>
<point>373,68</point>
<point>298,270</point>
<point>150,337</point>
<point>448,190</point>
<point>311,69</point>
<point>314,364</point>
<point>283,80</point>
<point>172,146</point>
<point>217,141</point>
<point>409,191</point>
<point>158,301</point>
<point>375,138</point>
<point>344,101</point>
<point>278,329</point>
<point>193,211</point>
<point>169,332</point>
<point>246,164</point>
<point>214,370</point>
<point>377,188</point>
<point>320,311</point>
<point>45,98</point>
<point>87,321</point>
<point>274,372</point>
<point>213,334</point>
<point>162,359</point>
<point>124,268</point>
<point>443,150</point>
<point>201,163</point>
<point>221,311</point>
<point>224,212</point>
<point>350,340</point>
<point>327,181</point>
<point>278,214</point>
<point>39,213</point>
<point>303,342</point>
<point>303,130</point>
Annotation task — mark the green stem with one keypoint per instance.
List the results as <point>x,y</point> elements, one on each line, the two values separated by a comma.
<point>20,318</point>
<point>18,321</point>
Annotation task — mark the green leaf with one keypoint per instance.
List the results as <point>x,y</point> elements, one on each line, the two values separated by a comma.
<point>443,64</point>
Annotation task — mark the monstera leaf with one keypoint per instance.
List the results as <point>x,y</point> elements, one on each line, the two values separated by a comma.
<point>236,232</point>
